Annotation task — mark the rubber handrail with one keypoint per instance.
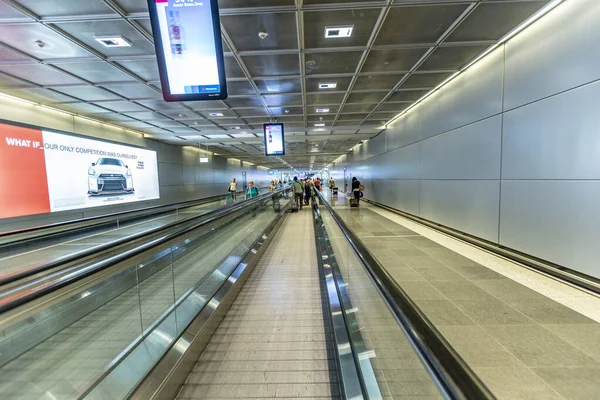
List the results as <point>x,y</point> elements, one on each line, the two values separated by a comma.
<point>151,209</point>
<point>457,379</point>
<point>26,293</point>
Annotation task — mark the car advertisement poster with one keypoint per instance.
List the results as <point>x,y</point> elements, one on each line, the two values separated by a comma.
<point>43,171</point>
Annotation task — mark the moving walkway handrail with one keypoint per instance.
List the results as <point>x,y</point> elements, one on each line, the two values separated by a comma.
<point>142,211</point>
<point>30,291</point>
<point>452,372</point>
<point>12,276</point>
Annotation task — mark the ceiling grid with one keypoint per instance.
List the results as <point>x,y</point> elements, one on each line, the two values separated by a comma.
<point>399,50</point>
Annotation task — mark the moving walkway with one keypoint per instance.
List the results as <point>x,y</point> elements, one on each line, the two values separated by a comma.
<point>253,302</point>
<point>27,252</point>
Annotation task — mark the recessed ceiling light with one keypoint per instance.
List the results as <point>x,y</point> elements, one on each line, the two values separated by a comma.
<point>322,110</point>
<point>319,124</point>
<point>216,114</point>
<point>236,127</point>
<point>113,41</point>
<point>338,31</point>
<point>331,85</point>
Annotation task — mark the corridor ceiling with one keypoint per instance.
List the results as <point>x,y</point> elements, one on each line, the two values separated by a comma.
<point>398,51</point>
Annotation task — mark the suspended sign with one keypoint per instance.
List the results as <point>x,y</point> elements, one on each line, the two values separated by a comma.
<point>273,136</point>
<point>187,38</point>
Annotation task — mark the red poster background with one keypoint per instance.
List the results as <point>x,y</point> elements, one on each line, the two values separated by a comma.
<point>23,183</point>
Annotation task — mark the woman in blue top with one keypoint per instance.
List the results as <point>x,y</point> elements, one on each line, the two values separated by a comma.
<point>252,191</point>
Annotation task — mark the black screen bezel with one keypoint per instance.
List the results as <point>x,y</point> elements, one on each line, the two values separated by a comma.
<point>162,67</point>
<point>282,139</point>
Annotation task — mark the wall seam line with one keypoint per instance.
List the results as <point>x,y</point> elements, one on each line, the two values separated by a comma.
<point>501,141</point>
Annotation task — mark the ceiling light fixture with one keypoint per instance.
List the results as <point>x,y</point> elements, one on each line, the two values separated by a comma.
<point>331,85</point>
<point>215,114</point>
<point>338,31</point>
<point>113,41</point>
<point>320,124</point>
<point>322,110</point>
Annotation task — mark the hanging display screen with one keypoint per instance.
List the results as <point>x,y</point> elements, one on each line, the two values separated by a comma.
<point>274,143</point>
<point>44,171</point>
<point>187,37</point>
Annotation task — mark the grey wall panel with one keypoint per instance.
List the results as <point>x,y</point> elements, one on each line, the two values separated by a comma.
<point>470,152</point>
<point>469,206</point>
<point>554,220</point>
<point>188,175</point>
<point>402,163</point>
<point>375,146</point>
<point>204,174</point>
<point>556,138</point>
<point>169,154</point>
<point>170,194</point>
<point>405,196</point>
<point>474,95</point>
<point>169,174</point>
<point>404,131</point>
<point>189,156</point>
<point>566,40</point>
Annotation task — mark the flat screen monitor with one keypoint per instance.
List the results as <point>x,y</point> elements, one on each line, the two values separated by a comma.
<point>187,38</point>
<point>274,143</point>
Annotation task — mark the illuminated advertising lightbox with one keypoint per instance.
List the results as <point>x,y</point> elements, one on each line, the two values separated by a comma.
<point>187,38</point>
<point>43,171</point>
<point>274,144</point>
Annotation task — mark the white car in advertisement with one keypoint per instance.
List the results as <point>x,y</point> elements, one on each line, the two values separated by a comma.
<point>109,176</point>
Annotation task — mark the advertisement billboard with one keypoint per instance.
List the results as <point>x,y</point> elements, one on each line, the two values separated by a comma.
<point>273,136</point>
<point>187,37</point>
<point>44,171</point>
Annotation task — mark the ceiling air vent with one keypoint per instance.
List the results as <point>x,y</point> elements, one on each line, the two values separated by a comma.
<point>338,31</point>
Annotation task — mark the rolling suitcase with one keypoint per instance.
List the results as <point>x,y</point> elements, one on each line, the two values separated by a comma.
<point>353,202</point>
<point>294,208</point>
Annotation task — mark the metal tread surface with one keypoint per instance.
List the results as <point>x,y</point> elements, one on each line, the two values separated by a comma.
<point>275,341</point>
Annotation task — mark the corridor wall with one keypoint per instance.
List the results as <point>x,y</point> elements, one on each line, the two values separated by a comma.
<point>508,151</point>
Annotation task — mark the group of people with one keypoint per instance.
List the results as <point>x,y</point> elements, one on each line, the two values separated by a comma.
<point>304,190</point>
<point>252,190</point>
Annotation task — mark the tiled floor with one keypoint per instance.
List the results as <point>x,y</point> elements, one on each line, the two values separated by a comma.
<point>62,366</point>
<point>275,341</point>
<point>522,344</point>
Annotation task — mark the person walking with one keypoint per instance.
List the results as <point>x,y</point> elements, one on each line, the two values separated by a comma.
<point>308,191</point>
<point>233,189</point>
<point>356,186</point>
<point>252,191</point>
<point>298,192</point>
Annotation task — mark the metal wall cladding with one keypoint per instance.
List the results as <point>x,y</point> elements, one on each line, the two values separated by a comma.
<point>555,138</point>
<point>375,146</point>
<point>470,152</point>
<point>469,206</point>
<point>205,174</point>
<point>554,55</point>
<point>404,131</point>
<point>169,174</point>
<point>554,220</point>
<point>188,175</point>
<point>405,196</point>
<point>171,194</point>
<point>401,163</point>
<point>474,95</point>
